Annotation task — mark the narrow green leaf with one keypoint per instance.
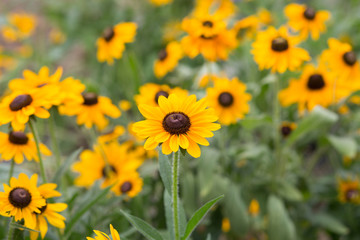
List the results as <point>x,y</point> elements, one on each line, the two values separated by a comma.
<point>147,230</point>
<point>198,216</point>
<point>346,146</point>
<point>22,227</point>
<point>288,191</point>
<point>64,167</point>
<point>330,223</point>
<point>165,171</point>
<point>169,214</point>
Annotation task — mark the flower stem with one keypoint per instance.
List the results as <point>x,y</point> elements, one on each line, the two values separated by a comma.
<point>10,235</point>
<point>36,138</point>
<point>11,172</point>
<point>276,123</point>
<point>54,141</point>
<point>175,193</point>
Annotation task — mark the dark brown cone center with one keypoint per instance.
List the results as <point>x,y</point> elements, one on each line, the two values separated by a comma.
<point>285,131</point>
<point>309,13</point>
<point>176,123</point>
<point>18,138</point>
<point>20,102</point>
<point>126,187</point>
<point>107,170</point>
<point>226,99</point>
<point>108,34</point>
<point>162,55</point>
<point>90,98</point>
<point>315,82</point>
<point>352,194</point>
<point>349,58</point>
<point>279,44</point>
<point>20,197</point>
<point>208,24</point>
<point>160,93</point>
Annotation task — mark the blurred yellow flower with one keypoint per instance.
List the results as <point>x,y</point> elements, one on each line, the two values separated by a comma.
<point>111,135</point>
<point>286,128</point>
<point>125,105</point>
<point>57,36</point>
<point>225,225</point>
<point>223,8</point>
<point>24,23</point>
<point>254,208</point>
<point>349,190</point>
<point>9,33</point>
<point>160,2</point>
<point>168,59</point>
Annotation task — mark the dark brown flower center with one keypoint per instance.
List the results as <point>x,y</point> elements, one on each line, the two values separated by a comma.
<point>285,131</point>
<point>20,102</point>
<point>90,98</point>
<point>108,34</point>
<point>162,55</point>
<point>352,194</point>
<point>309,13</point>
<point>126,187</point>
<point>349,58</point>
<point>226,99</point>
<point>176,123</point>
<point>208,24</point>
<point>208,37</point>
<point>18,138</point>
<point>279,44</point>
<point>160,93</point>
<point>108,170</point>
<point>20,197</point>
<point>315,82</point>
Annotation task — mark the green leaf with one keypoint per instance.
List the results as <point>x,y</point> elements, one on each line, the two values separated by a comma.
<point>165,171</point>
<point>61,171</point>
<point>148,231</point>
<point>198,216</point>
<point>22,227</point>
<point>330,223</point>
<point>255,121</point>
<point>288,191</point>
<point>280,225</point>
<point>346,146</point>
<point>169,214</point>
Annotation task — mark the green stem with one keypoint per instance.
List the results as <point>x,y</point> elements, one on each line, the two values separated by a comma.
<point>175,193</point>
<point>36,138</point>
<point>54,141</point>
<point>11,231</point>
<point>11,172</point>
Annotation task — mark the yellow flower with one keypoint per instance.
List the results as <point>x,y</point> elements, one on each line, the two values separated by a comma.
<point>24,23</point>
<point>107,161</point>
<point>208,36</point>
<point>16,145</point>
<point>129,184</point>
<point>160,2</point>
<point>111,135</point>
<point>315,87</point>
<point>22,199</point>
<point>125,105</point>
<point>91,111</point>
<point>225,225</point>
<point>223,8</point>
<point>254,207</point>
<point>9,33</point>
<point>48,212</point>
<point>177,122</point>
<point>56,36</point>
<point>277,50</point>
<point>172,31</point>
<point>168,59</point>
<point>102,236</point>
<point>306,20</point>
<point>150,93</point>
<point>287,128</point>
<point>206,80</point>
<point>349,190</point>
<point>112,43</point>
<point>229,100</point>
<point>6,62</point>
<point>25,51</point>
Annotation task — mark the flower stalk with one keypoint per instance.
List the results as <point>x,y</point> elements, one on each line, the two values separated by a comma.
<point>11,172</point>
<point>175,193</point>
<point>36,138</point>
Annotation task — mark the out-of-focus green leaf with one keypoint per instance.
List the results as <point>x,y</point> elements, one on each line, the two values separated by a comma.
<point>253,122</point>
<point>346,146</point>
<point>189,192</point>
<point>22,227</point>
<point>330,223</point>
<point>65,166</point>
<point>289,191</point>
<point>169,214</point>
<point>165,171</point>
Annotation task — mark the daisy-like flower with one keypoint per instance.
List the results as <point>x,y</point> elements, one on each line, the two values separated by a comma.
<point>91,111</point>
<point>111,135</point>
<point>22,199</point>
<point>129,184</point>
<point>177,122</point>
<point>103,236</point>
<point>150,93</point>
<point>314,87</point>
<point>168,59</point>
<point>208,36</point>
<point>349,190</point>
<point>112,43</point>
<point>306,20</point>
<point>49,212</point>
<point>276,50</point>
<point>286,128</point>
<point>229,100</point>
<point>223,8</point>
<point>17,144</point>
<point>160,2</point>
<point>106,162</point>
<point>23,22</point>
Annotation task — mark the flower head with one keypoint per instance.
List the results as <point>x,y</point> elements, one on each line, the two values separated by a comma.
<point>103,236</point>
<point>168,59</point>
<point>129,184</point>
<point>349,190</point>
<point>286,128</point>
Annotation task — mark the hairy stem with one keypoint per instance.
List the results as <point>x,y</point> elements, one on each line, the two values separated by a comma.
<point>175,193</point>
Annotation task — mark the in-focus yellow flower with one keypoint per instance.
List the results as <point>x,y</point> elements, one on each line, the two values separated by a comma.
<point>276,50</point>
<point>150,93</point>
<point>112,43</point>
<point>229,99</point>
<point>49,212</point>
<point>125,105</point>
<point>111,135</point>
<point>306,20</point>
<point>17,144</point>
<point>254,208</point>
<point>129,184</point>
<point>22,199</point>
<point>160,2</point>
<point>286,128</point>
<point>102,236</point>
<point>24,23</point>
<point>225,225</point>
<point>177,122</point>
<point>223,8</point>
<point>349,190</point>
<point>57,36</point>
<point>314,87</point>
<point>168,59</point>
<point>91,111</point>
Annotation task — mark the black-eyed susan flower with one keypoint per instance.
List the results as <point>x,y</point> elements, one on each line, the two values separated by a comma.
<point>112,43</point>
<point>22,199</point>
<point>314,87</point>
<point>254,208</point>
<point>129,184</point>
<point>228,99</point>
<point>225,225</point>
<point>177,122</point>
<point>223,8</point>
<point>349,190</point>
<point>106,161</point>
<point>91,111</point>
<point>306,20</point>
<point>49,212</point>
<point>112,134</point>
<point>286,128</point>
<point>150,93</point>
<point>103,236</point>
<point>276,50</point>
<point>250,25</point>
<point>168,59</point>
<point>17,145</point>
